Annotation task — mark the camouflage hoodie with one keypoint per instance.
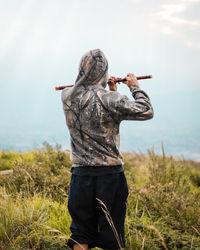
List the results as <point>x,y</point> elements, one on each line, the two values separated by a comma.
<point>93,114</point>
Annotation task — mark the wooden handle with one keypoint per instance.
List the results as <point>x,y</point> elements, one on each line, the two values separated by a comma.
<point>118,80</point>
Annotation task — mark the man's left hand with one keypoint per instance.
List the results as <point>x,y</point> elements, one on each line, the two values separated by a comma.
<point>112,84</point>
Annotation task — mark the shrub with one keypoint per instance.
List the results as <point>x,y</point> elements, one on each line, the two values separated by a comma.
<point>49,174</point>
<point>8,159</point>
<point>164,213</point>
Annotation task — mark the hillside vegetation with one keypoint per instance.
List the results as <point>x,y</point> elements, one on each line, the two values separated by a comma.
<point>163,210</point>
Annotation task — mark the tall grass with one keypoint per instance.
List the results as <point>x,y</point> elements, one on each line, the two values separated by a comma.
<point>47,172</point>
<point>164,213</point>
<point>32,223</point>
<point>163,209</point>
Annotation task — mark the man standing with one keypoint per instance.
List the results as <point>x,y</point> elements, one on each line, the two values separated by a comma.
<point>93,116</point>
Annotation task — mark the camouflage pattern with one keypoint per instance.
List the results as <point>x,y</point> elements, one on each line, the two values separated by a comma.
<point>93,114</point>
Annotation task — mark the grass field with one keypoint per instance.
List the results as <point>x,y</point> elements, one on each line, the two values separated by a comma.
<point>163,210</point>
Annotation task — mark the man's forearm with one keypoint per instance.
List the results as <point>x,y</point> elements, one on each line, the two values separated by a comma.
<point>141,98</point>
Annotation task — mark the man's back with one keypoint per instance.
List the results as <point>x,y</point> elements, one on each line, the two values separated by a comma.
<point>94,133</point>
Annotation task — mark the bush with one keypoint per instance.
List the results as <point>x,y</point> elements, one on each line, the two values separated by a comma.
<point>48,174</point>
<point>7,160</point>
<point>164,213</point>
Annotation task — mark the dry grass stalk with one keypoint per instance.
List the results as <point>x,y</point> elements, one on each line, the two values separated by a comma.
<point>192,243</point>
<point>159,234</point>
<point>63,236</point>
<point>110,221</point>
<point>143,240</point>
<point>196,230</point>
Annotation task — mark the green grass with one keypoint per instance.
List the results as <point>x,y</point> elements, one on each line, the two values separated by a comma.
<point>163,209</point>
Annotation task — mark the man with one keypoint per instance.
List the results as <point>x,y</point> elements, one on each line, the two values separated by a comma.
<point>98,188</point>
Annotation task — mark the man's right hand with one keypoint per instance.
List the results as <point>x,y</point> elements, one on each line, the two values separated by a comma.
<point>131,80</point>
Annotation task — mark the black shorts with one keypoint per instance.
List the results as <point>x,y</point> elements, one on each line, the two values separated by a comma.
<point>91,223</point>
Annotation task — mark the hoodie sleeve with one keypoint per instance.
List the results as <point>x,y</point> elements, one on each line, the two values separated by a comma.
<point>123,108</point>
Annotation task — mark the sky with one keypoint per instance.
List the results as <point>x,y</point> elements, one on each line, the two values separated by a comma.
<point>41,45</point>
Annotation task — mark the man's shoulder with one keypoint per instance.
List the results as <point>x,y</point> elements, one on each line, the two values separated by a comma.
<point>108,96</point>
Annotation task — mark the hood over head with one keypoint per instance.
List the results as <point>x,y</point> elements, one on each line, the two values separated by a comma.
<point>93,69</point>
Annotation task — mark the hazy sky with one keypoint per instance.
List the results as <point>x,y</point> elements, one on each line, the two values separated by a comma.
<point>42,42</point>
